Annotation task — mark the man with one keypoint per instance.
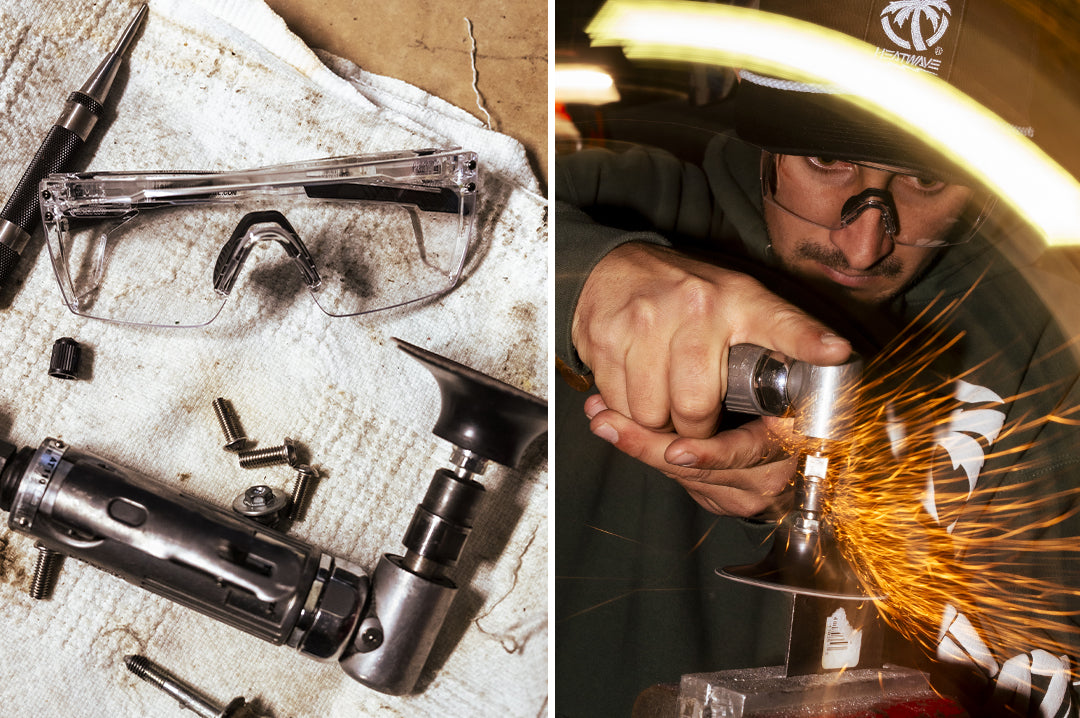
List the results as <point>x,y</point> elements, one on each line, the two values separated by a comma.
<point>832,229</point>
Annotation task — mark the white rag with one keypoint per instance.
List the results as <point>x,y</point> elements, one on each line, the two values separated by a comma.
<point>225,85</point>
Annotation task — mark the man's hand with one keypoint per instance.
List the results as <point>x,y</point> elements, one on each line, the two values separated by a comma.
<point>742,472</point>
<point>654,326</point>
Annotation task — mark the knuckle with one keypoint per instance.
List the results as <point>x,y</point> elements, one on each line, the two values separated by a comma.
<point>646,409</point>
<point>649,419</point>
<point>601,343</point>
<point>694,407</point>
<point>698,297</point>
<point>642,314</point>
<point>744,284</point>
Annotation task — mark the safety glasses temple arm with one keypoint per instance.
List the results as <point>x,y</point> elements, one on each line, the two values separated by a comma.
<point>433,199</point>
<point>426,199</point>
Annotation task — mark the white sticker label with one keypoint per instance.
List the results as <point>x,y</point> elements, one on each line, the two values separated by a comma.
<point>842,643</point>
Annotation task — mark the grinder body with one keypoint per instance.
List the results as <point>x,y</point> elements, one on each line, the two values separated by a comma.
<point>204,557</point>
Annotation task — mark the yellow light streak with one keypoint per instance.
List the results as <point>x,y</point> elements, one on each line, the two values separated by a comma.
<point>586,84</point>
<point>951,122</point>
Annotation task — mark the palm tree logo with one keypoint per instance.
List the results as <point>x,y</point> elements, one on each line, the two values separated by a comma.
<point>912,13</point>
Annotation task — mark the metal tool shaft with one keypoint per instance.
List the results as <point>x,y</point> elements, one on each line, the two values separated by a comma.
<point>57,152</point>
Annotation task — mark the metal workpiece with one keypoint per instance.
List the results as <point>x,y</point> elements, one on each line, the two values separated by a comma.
<point>394,640</point>
<point>272,456</point>
<point>805,558</point>
<point>184,693</point>
<point>235,439</point>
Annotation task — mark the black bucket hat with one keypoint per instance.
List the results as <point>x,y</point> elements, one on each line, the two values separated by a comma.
<point>985,48</point>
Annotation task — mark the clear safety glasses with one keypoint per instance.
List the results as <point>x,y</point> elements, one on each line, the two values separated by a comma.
<point>362,233</point>
<point>832,194</point>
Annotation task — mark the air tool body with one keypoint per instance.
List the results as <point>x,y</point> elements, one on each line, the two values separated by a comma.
<point>253,577</point>
<point>821,400</point>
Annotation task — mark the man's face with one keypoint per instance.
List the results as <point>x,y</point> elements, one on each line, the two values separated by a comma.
<point>821,234</point>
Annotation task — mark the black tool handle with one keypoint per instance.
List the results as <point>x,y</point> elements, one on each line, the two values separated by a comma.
<point>55,155</point>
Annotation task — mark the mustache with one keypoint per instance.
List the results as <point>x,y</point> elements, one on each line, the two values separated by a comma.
<point>834,259</point>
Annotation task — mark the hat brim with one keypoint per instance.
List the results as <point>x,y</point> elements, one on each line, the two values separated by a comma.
<point>821,124</point>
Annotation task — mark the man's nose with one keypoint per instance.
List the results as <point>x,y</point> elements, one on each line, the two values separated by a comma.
<point>865,240</point>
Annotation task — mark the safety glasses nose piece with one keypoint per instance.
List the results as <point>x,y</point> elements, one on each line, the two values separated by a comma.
<point>255,227</point>
<point>872,198</point>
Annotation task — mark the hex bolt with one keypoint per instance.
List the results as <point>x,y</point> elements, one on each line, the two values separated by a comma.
<point>306,476</point>
<point>46,569</point>
<point>189,698</point>
<point>230,425</point>
<point>261,504</point>
<point>258,458</point>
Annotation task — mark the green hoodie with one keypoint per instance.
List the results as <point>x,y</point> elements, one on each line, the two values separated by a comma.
<point>638,600</point>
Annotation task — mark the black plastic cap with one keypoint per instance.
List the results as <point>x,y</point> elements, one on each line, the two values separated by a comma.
<point>65,359</point>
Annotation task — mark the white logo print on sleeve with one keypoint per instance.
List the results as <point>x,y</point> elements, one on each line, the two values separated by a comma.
<point>958,438</point>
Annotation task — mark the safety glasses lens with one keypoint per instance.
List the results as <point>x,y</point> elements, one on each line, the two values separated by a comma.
<point>168,250</point>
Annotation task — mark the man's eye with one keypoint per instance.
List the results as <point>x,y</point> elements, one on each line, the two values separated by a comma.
<point>926,184</point>
<point>828,163</point>
<point>929,182</point>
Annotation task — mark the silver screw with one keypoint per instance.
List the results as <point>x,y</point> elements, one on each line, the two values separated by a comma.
<point>189,698</point>
<point>258,458</point>
<point>306,476</point>
<point>46,570</point>
<point>230,425</point>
